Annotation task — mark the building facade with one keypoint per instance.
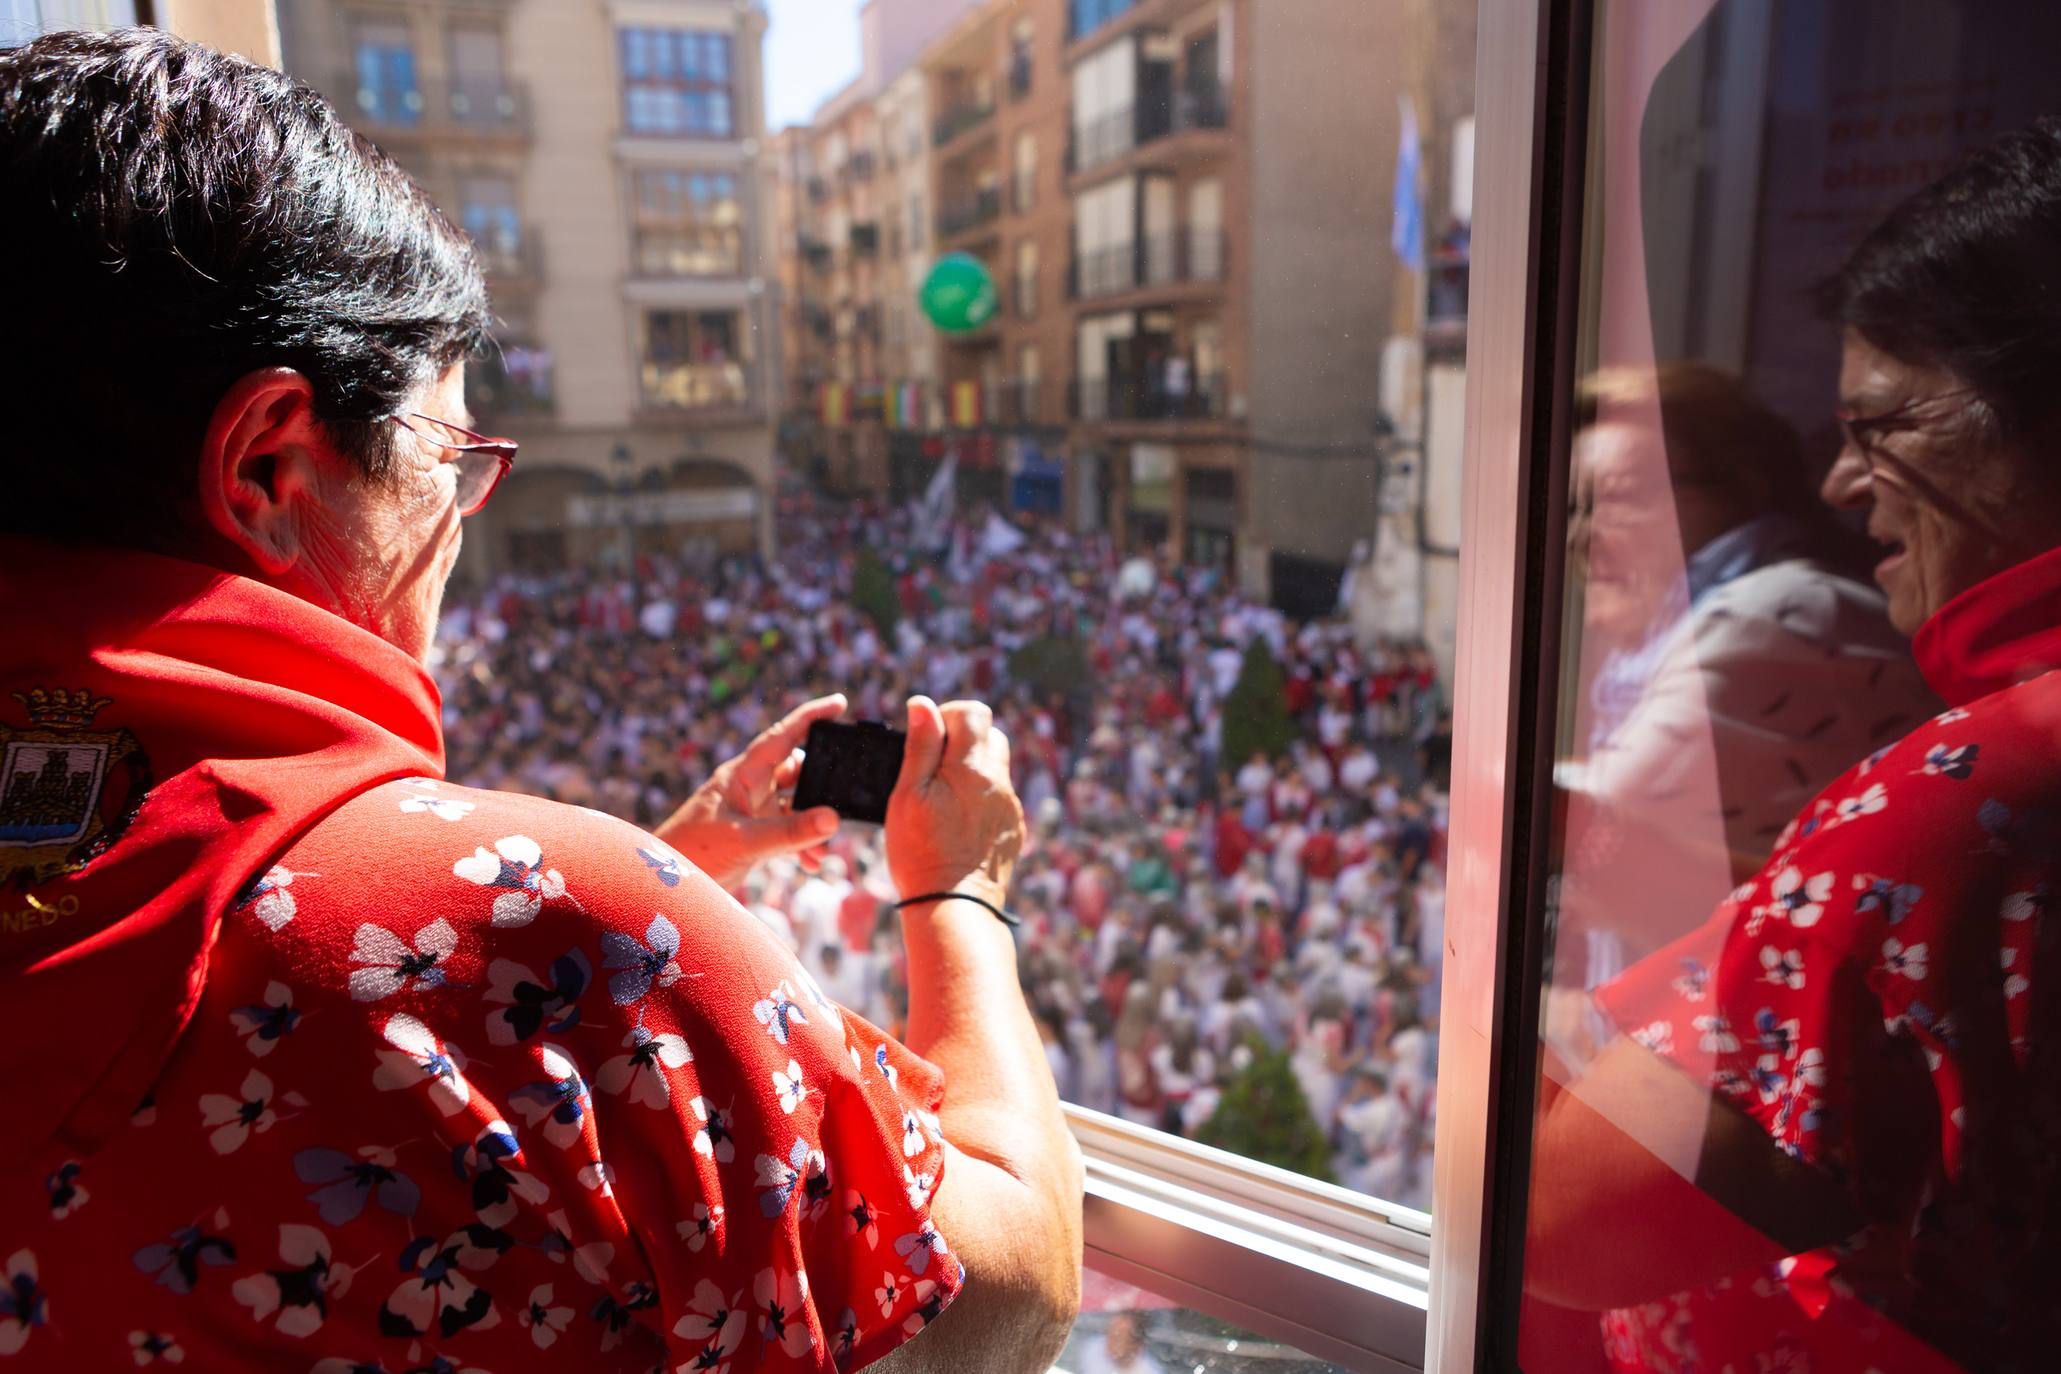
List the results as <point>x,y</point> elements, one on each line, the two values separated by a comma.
<point>609,162</point>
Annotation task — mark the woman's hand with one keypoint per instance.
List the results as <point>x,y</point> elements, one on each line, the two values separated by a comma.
<point>739,817</point>
<point>954,823</point>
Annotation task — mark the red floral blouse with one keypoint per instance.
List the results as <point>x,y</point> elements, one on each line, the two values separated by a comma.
<point>1879,998</point>
<point>471,1091</point>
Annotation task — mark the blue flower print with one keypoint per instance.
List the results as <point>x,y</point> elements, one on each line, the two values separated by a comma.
<point>615,1315</point>
<point>561,1101</point>
<point>1776,1035</point>
<point>347,1181</point>
<point>514,866</point>
<point>1767,1077</point>
<point>845,1340</point>
<point>881,1062</point>
<point>532,1005</point>
<point>779,1178</point>
<point>66,1196</point>
<point>1893,899</point>
<point>23,1306</point>
<point>176,1261</point>
<point>664,867</point>
<point>778,1012</point>
<point>640,963</point>
<point>917,1247</point>
<point>497,1189</point>
<point>264,1024</point>
<point>1693,982</point>
<point>1941,761</point>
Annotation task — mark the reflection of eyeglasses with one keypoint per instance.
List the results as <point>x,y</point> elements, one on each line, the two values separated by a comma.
<point>1862,433</point>
<point>481,462</point>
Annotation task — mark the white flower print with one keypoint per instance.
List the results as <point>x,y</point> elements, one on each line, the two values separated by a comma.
<point>1658,1036</point>
<point>235,1119</point>
<point>713,1138</point>
<point>589,1261</point>
<point>1800,900</point>
<point>783,1310</point>
<point>598,1175</point>
<point>700,1228</point>
<point>392,966</point>
<point>1940,761</point>
<point>1693,982</point>
<point>778,1012</point>
<point>559,1100</point>
<point>780,1177</point>
<point>1952,716</point>
<point>918,1246</point>
<point>426,799</point>
<point>788,1084</point>
<point>437,1296</point>
<point>1767,1077</point>
<point>933,1127</point>
<point>889,1294</point>
<point>544,1322</point>
<point>1908,961</point>
<point>264,1024</point>
<point>529,1005</point>
<point>23,1307</point>
<point>516,866</point>
<point>417,1057</point>
<point>860,1220</point>
<point>642,1070</point>
<point>1809,1071</point>
<point>1717,1037</point>
<point>295,1298</point>
<point>641,963</point>
<point>1867,803</point>
<point>912,1135</point>
<point>930,1303</point>
<point>917,1186</point>
<point>2024,906</point>
<point>715,1319</point>
<point>1893,899</point>
<point>1781,966</point>
<point>269,900</point>
<point>67,1195</point>
<point>885,1065</point>
<point>148,1347</point>
<point>814,992</point>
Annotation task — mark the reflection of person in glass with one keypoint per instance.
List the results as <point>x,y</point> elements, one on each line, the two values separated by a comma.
<point>1121,1349</point>
<point>1751,650</point>
<point>1861,1040</point>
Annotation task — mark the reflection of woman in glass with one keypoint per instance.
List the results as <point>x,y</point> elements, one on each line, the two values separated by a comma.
<point>1863,1038</point>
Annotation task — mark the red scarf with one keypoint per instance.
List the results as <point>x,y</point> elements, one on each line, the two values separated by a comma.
<point>1998,633</point>
<point>165,730</point>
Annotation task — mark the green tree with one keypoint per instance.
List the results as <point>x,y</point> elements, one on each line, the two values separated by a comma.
<point>1256,719</point>
<point>873,591</point>
<point>1264,1116</point>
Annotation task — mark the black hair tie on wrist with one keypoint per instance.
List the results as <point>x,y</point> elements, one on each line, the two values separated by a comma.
<point>1006,917</point>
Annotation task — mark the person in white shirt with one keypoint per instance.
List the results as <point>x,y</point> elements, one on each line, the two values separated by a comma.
<point>815,904</point>
<point>1375,1126</point>
<point>1357,770</point>
<point>1119,1350</point>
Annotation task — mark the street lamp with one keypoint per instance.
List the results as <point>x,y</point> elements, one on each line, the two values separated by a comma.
<point>619,457</point>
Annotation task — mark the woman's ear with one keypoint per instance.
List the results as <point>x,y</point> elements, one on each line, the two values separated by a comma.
<point>259,461</point>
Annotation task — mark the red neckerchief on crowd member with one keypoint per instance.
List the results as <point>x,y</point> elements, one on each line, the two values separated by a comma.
<point>1998,633</point>
<point>165,730</point>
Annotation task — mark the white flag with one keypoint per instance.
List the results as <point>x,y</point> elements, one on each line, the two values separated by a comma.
<point>934,511</point>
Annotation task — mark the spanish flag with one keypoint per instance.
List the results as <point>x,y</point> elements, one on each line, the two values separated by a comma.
<point>966,405</point>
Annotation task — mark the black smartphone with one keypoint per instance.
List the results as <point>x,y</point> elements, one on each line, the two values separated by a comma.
<point>850,768</point>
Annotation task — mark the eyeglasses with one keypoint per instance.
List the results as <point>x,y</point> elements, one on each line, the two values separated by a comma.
<point>481,462</point>
<point>1862,433</point>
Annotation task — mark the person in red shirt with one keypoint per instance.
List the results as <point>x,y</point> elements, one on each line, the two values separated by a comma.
<point>322,1062</point>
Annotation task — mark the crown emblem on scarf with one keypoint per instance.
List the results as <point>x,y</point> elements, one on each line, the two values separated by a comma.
<point>57,709</point>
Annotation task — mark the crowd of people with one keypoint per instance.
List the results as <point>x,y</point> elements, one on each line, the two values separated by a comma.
<point>1184,911</point>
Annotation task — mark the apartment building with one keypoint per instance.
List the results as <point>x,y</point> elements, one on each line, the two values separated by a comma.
<point>609,162</point>
<point>248,28</point>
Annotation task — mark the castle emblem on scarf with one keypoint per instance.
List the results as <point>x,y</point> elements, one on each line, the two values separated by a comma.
<point>66,791</point>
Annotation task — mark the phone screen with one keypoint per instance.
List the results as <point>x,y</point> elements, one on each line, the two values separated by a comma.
<point>850,768</point>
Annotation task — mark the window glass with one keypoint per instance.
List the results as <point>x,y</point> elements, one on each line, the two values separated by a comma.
<point>1124,1329</point>
<point>388,89</point>
<point>1793,1104</point>
<point>488,213</point>
<point>676,81</point>
<point>1169,498</point>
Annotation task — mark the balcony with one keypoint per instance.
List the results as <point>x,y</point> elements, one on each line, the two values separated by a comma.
<point>1152,263</point>
<point>466,109</point>
<point>1019,75</point>
<point>815,252</point>
<point>697,389</point>
<point>1196,108</point>
<point>965,216</point>
<point>1168,390</point>
<point>1023,401</point>
<point>957,119</point>
<point>865,240</point>
<point>861,167</point>
<point>512,380</point>
<point>1023,295</point>
<point>509,260</point>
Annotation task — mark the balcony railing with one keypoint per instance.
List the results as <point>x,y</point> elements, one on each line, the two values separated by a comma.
<point>1183,255</point>
<point>1167,390</point>
<point>1022,401</point>
<point>1023,295</point>
<point>512,380</point>
<point>507,258</point>
<point>1197,106</point>
<point>468,106</point>
<point>957,119</point>
<point>957,218</point>
<point>689,387</point>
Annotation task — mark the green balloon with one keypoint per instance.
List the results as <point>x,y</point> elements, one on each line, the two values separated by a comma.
<point>958,295</point>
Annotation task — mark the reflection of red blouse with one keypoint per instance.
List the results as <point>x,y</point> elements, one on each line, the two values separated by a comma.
<point>1875,999</point>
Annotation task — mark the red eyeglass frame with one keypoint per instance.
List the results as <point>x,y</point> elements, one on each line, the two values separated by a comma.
<point>502,450</point>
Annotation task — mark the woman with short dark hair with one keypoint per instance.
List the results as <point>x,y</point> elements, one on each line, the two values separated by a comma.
<point>1857,1051</point>
<point>319,1061</point>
